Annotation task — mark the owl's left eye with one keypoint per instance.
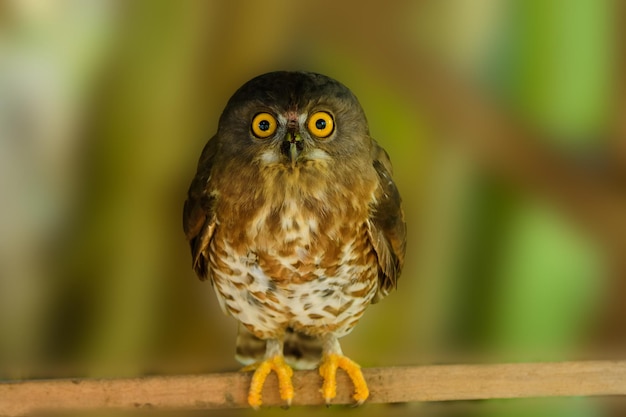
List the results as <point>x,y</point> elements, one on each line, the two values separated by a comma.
<point>264,125</point>
<point>321,124</point>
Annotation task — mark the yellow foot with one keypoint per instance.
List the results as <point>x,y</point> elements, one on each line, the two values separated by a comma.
<point>328,371</point>
<point>261,371</point>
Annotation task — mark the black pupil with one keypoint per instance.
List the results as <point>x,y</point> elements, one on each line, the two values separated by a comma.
<point>320,124</point>
<point>264,125</point>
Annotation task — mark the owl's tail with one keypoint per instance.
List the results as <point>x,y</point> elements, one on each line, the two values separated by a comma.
<point>301,351</point>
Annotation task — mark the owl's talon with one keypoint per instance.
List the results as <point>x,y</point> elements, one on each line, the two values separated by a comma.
<point>328,371</point>
<point>261,371</point>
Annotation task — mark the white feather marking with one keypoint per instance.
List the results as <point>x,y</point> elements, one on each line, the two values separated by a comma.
<point>318,154</point>
<point>269,156</point>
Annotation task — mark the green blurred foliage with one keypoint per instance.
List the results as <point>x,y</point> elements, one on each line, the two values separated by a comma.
<point>561,66</point>
<point>126,94</point>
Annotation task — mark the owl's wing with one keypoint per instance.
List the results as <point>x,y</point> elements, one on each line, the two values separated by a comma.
<point>387,228</point>
<point>198,212</point>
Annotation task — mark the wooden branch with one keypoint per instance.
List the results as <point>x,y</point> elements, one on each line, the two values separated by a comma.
<point>387,385</point>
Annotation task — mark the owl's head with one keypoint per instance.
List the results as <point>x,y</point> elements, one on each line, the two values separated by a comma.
<point>292,119</point>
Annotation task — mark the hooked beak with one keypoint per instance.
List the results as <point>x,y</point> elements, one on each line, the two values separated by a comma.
<point>292,145</point>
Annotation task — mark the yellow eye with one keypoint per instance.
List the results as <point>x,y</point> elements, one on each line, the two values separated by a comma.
<point>264,125</point>
<point>321,124</point>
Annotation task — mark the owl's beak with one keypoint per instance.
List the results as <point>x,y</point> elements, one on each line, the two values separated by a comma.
<point>293,145</point>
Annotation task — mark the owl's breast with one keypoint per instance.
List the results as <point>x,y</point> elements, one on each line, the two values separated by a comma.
<point>298,265</point>
<point>305,223</point>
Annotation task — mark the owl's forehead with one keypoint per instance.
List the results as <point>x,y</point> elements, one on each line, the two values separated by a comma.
<point>291,91</point>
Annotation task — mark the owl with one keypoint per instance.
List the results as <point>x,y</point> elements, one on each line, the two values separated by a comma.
<point>295,220</point>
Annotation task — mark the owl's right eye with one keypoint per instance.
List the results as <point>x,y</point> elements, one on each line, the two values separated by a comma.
<point>264,125</point>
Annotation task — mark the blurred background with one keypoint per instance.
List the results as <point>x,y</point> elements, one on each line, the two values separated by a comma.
<point>505,121</point>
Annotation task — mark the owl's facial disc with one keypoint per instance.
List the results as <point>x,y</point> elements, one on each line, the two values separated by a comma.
<point>297,134</point>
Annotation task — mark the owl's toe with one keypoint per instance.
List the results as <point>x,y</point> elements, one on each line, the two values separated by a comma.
<point>328,371</point>
<point>261,371</point>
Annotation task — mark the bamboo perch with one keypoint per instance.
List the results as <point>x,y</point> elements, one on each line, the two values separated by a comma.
<point>387,385</point>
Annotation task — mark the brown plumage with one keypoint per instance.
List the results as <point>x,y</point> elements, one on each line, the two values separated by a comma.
<point>295,219</point>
